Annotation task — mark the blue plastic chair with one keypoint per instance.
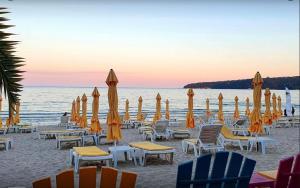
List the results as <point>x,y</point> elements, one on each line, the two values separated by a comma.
<point>227,171</point>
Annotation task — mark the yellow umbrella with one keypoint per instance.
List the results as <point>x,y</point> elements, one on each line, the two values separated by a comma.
<point>127,115</point>
<point>275,112</point>
<point>10,119</point>
<point>220,112</point>
<point>113,118</point>
<point>208,112</point>
<point>247,112</point>
<point>190,121</point>
<point>95,124</point>
<point>83,119</point>
<point>0,111</point>
<point>73,111</point>
<point>236,114</point>
<point>267,115</point>
<point>167,115</point>
<point>78,109</point>
<point>279,107</point>
<point>255,116</point>
<point>140,116</point>
<point>157,115</point>
<point>17,116</point>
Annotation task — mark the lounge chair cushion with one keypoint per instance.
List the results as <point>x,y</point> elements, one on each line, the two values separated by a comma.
<point>226,132</point>
<point>90,151</point>
<point>193,141</point>
<point>68,137</point>
<point>150,146</point>
<point>272,174</point>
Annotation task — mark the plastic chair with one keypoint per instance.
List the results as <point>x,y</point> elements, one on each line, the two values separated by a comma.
<point>87,177</point>
<point>283,173</point>
<point>42,183</point>
<point>65,179</point>
<point>295,177</point>
<point>128,180</point>
<point>108,177</point>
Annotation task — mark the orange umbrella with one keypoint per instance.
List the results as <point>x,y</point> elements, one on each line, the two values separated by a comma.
<point>267,115</point>
<point>247,112</point>
<point>127,115</point>
<point>83,119</point>
<point>279,107</point>
<point>0,111</point>
<point>17,116</point>
<point>10,119</point>
<point>208,113</point>
<point>157,115</point>
<point>113,118</point>
<point>140,116</point>
<point>95,124</point>
<point>275,112</point>
<point>73,111</point>
<point>167,115</point>
<point>236,114</point>
<point>220,112</point>
<point>78,109</point>
<point>190,121</point>
<point>255,116</point>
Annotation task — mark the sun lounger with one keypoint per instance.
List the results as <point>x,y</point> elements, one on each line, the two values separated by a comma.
<point>3,130</point>
<point>64,121</point>
<point>7,142</point>
<point>91,153</point>
<point>149,148</point>
<point>180,133</point>
<point>68,139</point>
<point>27,129</point>
<point>55,133</point>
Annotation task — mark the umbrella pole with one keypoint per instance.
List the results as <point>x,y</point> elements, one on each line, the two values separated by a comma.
<point>115,143</point>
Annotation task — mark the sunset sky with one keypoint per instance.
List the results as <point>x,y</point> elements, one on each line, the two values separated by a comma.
<point>154,44</point>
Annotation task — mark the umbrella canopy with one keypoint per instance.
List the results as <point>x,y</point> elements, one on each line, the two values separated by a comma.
<point>17,116</point>
<point>167,115</point>
<point>274,103</point>
<point>190,121</point>
<point>127,115</point>
<point>83,119</point>
<point>140,116</point>
<point>113,118</point>
<point>236,114</point>
<point>95,124</point>
<point>208,112</point>
<point>0,111</point>
<point>268,115</point>
<point>78,109</point>
<point>279,107</point>
<point>157,115</point>
<point>10,119</point>
<point>247,111</point>
<point>288,104</point>
<point>220,112</point>
<point>255,116</point>
<point>73,111</point>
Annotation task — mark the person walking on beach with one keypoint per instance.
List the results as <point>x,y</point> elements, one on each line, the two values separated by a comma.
<point>293,110</point>
<point>285,113</point>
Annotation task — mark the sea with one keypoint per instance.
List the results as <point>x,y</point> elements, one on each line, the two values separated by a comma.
<point>44,105</point>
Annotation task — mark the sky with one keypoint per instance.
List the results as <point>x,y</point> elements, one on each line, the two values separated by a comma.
<point>155,43</point>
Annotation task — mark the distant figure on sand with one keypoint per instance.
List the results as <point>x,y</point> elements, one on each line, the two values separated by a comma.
<point>65,114</point>
<point>293,110</point>
<point>285,113</point>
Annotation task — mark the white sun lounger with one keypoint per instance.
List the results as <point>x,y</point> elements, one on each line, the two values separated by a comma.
<point>7,142</point>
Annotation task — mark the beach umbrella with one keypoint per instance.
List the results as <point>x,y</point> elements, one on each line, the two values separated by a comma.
<point>113,118</point>
<point>274,112</point>
<point>208,113</point>
<point>190,121</point>
<point>83,119</point>
<point>157,115</point>
<point>167,115</point>
<point>267,115</point>
<point>140,116</point>
<point>10,119</point>
<point>127,115</point>
<point>279,107</point>
<point>288,104</point>
<point>73,111</point>
<point>17,116</point>
<point>78,109</point>
<point>95,124</point>
<point>236,114</point>
<point>0,111</point>
<point>220,112</point>
<point>247,112</point>
<point>255,116</point>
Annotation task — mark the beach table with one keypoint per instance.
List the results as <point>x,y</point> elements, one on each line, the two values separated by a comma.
<point>262,141</point>
<point>116,150</point>
<point>258,180</point>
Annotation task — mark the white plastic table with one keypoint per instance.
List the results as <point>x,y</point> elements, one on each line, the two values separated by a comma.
<point>262,140</point>
<point>122,149</point>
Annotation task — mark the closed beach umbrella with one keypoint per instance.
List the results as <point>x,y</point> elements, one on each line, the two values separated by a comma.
<point>247,112</point>
<point>0,111</point>
<point>78,109</point>
<point>157,115</point>
<point>10,119</point>
<point>73,111</point>
<point>17,116</point>
<point>268,115</point>
<point>113,118</point>
<point>255,116</point>
<point>95,124</point>
<point>208,113</point>
<point>167,115</point>
<point>274,103</point>
<point>127,115</point>
<point>83,119</point>
<point>140,116</point>
<point>220,112</point>
<point>190,121</point>
<point>236,114</point>
<point>279,107</point>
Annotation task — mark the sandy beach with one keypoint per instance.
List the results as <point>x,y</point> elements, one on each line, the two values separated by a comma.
<point>31,158</point>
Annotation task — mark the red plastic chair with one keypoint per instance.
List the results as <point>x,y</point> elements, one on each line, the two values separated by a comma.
<point>42,183</point>
<point>108,177</point>
<point>87,177</point>
<point>65,179</point>
<point>284,172</point>
<point>295,176</point>
<point>128,180</point>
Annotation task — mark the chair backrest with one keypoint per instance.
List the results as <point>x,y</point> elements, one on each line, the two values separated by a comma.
<point>65,179</point>
<point>161,125</point>
<point>295,176</point>
<point>108,177</point>
<point>64,119</point>
<point>210,133</point>
<point>234,171</point>
<point>128,180</point>
<point>42,183</point>
<point>87,177</point>
<point>283,173</point>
